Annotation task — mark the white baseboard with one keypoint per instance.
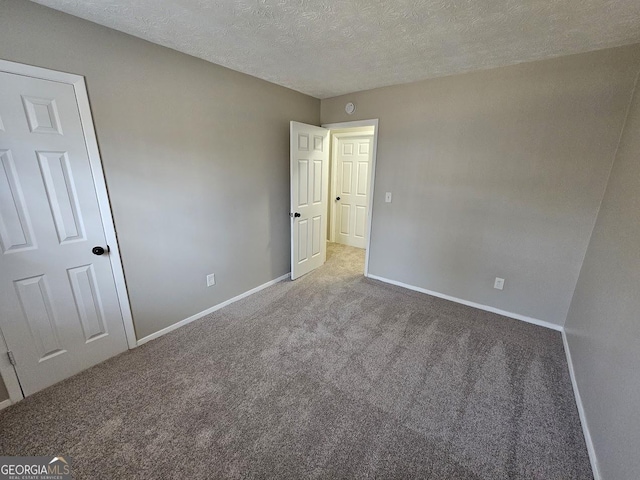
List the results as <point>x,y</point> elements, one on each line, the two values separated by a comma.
<point>5,403</point>
<point>583,419</point>
<point>192,318</point>
<point>487,308</point>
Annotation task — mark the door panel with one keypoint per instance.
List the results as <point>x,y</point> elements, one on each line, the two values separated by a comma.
<point>61,194</point>
<point>347,167</point>
<point>303,183</point>
<point>15,228</point>
<point>35,300</point>
<point>344,219</point>
<point>353,169</point>
<point>42,115</point>
<point>86,294</point>
<point>316,241</point>
<point>58,302</point>
<point>362,179</point>
<point>303,236</point>
<point>317,181</point>
<point>309,175</point>
<point>361,221</point>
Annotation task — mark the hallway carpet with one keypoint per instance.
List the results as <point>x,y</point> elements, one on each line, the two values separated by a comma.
<point>330,376</point>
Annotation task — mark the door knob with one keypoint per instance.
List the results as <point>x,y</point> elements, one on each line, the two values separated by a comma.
<point>99,250</point>
<point>337,198</point>
<point>297,215</point>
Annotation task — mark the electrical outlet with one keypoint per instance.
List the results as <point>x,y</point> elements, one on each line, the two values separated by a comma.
<point>387,197</point>
<point>211,279</point>
<point>499,283</point>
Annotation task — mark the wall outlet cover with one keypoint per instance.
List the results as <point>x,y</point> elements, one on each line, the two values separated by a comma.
<point>211,279</point>
<point>499,283</point>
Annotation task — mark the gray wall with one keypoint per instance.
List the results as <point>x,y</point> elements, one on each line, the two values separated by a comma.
<point>495,173</point>
<point>196,159</point>
<point>603,326</point>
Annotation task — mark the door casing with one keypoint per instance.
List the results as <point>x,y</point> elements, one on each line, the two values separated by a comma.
<point>6,369</point>
<point>354,124</point>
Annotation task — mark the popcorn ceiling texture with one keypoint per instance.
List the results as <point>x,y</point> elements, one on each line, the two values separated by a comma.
<point>328,48</point>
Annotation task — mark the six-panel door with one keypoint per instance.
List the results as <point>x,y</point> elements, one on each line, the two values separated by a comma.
<point>309,191</point>
<point>353,174</point>
<point>58,303</point>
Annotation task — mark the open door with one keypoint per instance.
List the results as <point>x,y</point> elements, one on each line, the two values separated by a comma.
<point>309,191</point>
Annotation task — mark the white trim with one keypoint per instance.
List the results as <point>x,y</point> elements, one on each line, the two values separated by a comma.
<point>487,308</point>
<point>364,123</point>
<point>37,72</point>
<point>8,373</point>
<point>95,162</point>
<point>334,187</point>
<point>192,318</point>
<point>583,417</point>
<point>4,404</point>
<point>373,122</point>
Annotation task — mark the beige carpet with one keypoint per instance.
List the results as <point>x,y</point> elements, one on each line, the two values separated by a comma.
<point>330,376</point>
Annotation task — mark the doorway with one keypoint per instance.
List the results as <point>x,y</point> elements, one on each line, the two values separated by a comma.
<point>352,180</point>
<point>316,212</point>
<point>350,167</point>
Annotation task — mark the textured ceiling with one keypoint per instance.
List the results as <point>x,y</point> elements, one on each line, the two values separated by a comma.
<point>326,48</point>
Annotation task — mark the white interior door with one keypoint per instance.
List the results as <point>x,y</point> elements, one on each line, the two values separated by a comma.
<point>59,310</point>
<point>353,175</point>
<point>309,191</point>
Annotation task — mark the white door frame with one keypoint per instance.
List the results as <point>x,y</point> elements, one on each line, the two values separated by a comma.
<point>334,163</point>
<point>6,369</point>
<point>361,123</point>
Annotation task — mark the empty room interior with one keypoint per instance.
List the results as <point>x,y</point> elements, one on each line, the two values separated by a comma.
<point>313,239</point>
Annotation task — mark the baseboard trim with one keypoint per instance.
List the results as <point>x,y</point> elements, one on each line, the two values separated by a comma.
<point>487,308</point>
<point>583,418</point>
<point>192,318</point>
<point>5,403</point>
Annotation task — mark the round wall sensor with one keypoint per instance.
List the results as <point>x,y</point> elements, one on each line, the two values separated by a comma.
<point>349,108</point>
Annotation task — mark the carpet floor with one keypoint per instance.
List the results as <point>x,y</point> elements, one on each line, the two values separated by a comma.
<point>330,376</point>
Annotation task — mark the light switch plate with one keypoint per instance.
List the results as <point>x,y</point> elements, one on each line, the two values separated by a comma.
<point>387,197</point>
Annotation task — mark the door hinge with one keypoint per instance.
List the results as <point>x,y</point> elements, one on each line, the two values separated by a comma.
<point>12,358</point>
